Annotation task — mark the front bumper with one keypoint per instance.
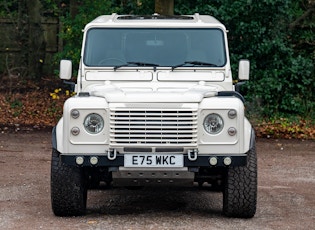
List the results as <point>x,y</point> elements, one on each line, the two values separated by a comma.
<point>222,160</point>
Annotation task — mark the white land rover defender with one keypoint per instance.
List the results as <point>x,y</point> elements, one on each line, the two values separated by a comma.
<point>155,105</point>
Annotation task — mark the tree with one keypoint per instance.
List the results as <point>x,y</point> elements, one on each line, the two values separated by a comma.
<point>282,70</point>
<point>25,51</point>
<point>164,7</point>
<point>36,41</point>
<point>276,35</point>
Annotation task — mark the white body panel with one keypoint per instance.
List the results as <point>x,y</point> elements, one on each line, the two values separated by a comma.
<point>193,90</point>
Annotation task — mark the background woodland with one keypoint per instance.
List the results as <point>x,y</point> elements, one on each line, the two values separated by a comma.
<point>277,36</point>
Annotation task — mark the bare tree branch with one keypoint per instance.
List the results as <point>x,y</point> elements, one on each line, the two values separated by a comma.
<point>300,19</point>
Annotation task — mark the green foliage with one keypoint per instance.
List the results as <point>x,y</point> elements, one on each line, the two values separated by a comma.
<point>73,25</point>
<point>282,57</point>
<point>136,7</point>
<point>16,106</point>
<point>86,12</point>
<point>7,7</point>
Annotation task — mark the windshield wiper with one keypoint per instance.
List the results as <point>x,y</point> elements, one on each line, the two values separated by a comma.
<point>135,63</point>
<point>195,63</point>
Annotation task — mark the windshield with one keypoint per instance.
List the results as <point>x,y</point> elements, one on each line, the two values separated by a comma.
<point>118,47</point>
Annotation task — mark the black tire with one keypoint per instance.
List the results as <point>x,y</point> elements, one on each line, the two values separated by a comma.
<point>240,188</point>
<point>68,188</point>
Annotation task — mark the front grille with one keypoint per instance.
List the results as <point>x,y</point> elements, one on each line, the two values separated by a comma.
<point>154,127</point>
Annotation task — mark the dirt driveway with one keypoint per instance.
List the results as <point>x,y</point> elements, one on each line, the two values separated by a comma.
<point>286,193</point>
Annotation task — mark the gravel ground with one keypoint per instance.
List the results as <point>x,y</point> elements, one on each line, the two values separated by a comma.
<point>285,193</point>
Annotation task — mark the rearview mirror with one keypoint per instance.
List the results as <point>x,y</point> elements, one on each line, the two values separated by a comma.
<point>65,69</point>
<point>243,69</point>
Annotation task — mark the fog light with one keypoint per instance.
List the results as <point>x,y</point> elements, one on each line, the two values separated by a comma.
<point>213,160</point>
<point>232,131</point>
<point>93,160</point>
<point>75,131</point>
<point>79,160</point>
<point>227,161</point>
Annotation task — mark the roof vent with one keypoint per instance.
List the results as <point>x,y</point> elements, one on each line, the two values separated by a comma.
<point>154,16</point>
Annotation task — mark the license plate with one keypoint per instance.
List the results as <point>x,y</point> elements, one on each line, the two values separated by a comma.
<point>153,160</point>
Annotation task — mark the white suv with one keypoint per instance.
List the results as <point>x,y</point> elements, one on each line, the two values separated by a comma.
<point>155,105</point>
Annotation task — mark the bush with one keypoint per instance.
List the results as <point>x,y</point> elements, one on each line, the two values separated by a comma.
<point>282,74</point>
<point>86,12</point>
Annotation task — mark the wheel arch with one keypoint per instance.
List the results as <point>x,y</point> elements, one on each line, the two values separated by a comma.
<point>57,136</point>
<point>249,136</point>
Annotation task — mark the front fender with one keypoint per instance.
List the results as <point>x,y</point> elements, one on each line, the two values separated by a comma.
<point>252,139</point>
<point>54,138</point>
<point>57,136</point>
<point>249,136</point>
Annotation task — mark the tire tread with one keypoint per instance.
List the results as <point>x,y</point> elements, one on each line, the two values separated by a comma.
<point>68,190</point>
<point>240,192</point>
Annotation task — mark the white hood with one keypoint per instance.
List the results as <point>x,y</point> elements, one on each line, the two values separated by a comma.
<point>115,93</point>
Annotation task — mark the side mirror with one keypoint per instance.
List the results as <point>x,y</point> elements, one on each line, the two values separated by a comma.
<point>243,69</point>
<point>65,69</point>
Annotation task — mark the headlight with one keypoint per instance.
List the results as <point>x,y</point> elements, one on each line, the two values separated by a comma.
<point>93,123</point>
<point>213,123</point>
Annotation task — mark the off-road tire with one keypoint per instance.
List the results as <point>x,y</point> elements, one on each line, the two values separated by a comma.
<point>68,188</point>
<point>240,188</point>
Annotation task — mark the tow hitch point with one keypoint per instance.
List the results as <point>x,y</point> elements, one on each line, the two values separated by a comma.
<point>111,154</point>
<point>192,154</point>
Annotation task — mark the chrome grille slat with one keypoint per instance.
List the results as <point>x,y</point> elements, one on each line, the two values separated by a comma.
<point>153,126</point>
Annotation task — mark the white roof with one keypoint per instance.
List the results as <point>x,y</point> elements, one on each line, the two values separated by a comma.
<point>155,21</point>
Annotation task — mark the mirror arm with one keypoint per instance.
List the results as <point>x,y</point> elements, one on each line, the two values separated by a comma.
<point>238,85</point>
<point>70,84</point>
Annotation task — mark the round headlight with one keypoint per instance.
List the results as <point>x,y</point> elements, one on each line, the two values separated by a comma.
<point>93,123</point>
<point>213,123</point>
